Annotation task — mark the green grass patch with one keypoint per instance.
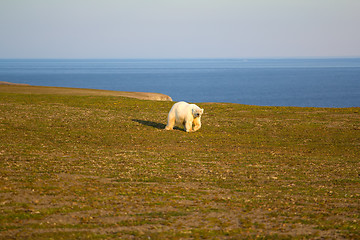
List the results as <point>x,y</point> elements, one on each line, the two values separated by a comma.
<point>95,167</point>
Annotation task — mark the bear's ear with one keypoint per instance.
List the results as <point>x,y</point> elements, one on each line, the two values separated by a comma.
<point>202,111</point>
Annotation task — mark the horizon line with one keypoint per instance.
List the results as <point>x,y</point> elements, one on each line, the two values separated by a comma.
<point>181,58</point>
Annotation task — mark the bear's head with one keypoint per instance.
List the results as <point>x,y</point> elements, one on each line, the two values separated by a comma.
<point>197,112</point>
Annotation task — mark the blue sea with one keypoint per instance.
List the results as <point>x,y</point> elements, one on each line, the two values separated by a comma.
<point>333,82</point>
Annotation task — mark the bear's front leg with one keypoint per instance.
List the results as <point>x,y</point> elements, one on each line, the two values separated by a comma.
<point>197,127</point>
<point>188,126</point>
<point>197,124</point>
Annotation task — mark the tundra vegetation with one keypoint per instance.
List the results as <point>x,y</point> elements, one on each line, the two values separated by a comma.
<point>102,167</point>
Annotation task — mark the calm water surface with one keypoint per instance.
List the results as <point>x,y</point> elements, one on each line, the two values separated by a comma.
<point>265,82</point>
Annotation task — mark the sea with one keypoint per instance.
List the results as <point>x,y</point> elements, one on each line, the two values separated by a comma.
<point>330,82</point>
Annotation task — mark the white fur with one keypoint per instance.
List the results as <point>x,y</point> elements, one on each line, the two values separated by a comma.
<point>183,113</point>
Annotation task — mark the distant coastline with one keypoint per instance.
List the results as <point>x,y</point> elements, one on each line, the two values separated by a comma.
<point>27,88</point>
<point>13,84</point>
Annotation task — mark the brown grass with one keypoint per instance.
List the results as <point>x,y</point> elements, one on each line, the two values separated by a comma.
<point>102,167</point>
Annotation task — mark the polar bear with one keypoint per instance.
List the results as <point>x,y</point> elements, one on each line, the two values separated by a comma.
<point>185,114</point>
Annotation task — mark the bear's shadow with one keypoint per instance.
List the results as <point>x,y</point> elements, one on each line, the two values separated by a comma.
<point>153,124</point>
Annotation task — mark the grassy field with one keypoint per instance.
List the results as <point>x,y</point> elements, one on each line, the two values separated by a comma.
<point>102,167</point>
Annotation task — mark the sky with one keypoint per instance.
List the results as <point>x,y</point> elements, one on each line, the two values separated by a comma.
<point>179,28</point>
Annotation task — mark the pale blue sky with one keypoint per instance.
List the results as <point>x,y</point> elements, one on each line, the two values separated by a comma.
<point>179,28</point>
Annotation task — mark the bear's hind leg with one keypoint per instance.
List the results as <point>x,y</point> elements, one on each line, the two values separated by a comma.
<point>170,124</point>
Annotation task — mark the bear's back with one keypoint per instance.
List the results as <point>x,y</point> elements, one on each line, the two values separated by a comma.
<point>180,106</point>
<point>181,111</point>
